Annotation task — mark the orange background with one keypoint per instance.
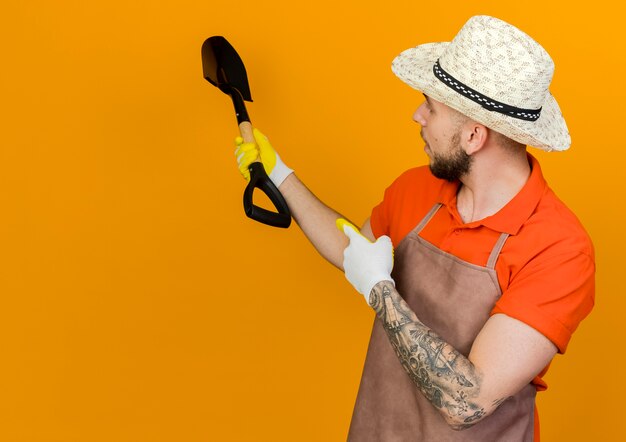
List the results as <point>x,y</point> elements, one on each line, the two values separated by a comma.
<point>140,304</point>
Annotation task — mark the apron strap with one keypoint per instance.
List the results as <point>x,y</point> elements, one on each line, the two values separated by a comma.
<point>427,218</point>
<point>491,263</point>
<point>495,253</point>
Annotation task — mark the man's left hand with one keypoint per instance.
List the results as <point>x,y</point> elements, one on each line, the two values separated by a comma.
<point>366,263</point>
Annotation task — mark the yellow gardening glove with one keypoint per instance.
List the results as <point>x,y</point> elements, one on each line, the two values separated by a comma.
<point>247,153</point>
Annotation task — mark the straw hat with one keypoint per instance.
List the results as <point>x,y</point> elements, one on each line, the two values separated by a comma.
<point>495,74</point>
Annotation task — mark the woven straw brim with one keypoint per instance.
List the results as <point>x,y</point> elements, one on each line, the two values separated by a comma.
<point>415,67</point>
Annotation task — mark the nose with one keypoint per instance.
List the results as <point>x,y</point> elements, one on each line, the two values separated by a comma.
<point>420,114</point>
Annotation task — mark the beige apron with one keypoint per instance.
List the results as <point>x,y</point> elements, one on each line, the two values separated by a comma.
<point>453,298</point>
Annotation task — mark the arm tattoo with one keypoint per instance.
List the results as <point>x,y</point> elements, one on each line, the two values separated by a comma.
<point>447,378</point>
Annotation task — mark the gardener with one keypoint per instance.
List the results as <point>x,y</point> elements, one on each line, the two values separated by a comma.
<point>492,272</point>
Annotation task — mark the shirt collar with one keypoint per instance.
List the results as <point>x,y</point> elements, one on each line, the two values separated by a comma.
<point>511,217</point>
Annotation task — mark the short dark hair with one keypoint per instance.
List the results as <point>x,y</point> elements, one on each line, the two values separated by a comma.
<point>507,143</point>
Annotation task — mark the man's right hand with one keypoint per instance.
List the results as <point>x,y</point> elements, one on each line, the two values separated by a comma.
<point>261,150</point>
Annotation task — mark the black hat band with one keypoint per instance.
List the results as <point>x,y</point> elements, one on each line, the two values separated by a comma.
<point>484,101</point>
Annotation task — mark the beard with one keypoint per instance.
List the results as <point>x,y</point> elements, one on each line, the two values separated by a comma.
<point>453,166</point>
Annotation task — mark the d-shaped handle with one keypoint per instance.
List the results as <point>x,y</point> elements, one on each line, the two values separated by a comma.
<point>260,180</point>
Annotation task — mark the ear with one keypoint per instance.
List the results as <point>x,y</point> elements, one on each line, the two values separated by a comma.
<point>475,137</point>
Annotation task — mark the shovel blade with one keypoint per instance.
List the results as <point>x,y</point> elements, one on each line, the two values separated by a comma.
<point>222,67</point>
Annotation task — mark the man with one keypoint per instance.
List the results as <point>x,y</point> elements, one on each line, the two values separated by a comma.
<point>492,272</point>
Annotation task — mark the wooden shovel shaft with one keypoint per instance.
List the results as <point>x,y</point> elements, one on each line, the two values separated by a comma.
<point>245,129</point>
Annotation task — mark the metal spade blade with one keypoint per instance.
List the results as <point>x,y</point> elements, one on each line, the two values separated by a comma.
<point>223,67</point>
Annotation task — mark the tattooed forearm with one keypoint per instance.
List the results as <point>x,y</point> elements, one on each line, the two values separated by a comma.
<point>446,377</point>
